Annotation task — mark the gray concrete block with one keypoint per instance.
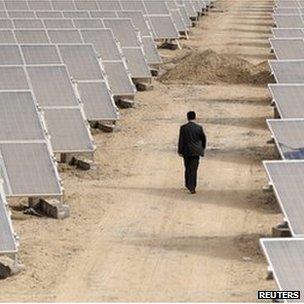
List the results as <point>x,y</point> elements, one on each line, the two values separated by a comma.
<point>83,164</point>
<point>125,103</point>
<point>107,128</point>
<point>54,208</point>
<point>9,267</point>
<point>154,72</point>
<point>144,86</point>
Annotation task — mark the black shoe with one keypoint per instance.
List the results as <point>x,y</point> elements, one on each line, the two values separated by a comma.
<point>192,191</point>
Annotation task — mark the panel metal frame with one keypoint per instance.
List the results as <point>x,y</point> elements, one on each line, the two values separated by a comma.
<point>277,194</point>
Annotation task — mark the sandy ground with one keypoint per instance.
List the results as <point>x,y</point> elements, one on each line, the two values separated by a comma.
<point>134,234</point>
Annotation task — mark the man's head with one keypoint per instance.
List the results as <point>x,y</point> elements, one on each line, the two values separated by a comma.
<point>191,115</point>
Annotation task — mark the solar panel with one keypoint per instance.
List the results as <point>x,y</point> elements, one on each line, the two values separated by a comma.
<point>103,42</point>
<point>163,27</point>
<point>171,5</point>
<point>58,23</point>
<point>137,63</point>
<point>185,16</point>
<point>286,3</point>
<point>286,177</point>
<point>19,117</point>
<point>288,71</point>
<point>52,86</point>
<point>63,5</point>
<point>13,78</point>
<point>7,36</point>
<point>37,5</point>
<point>288,99</point>
<point>16,5</point>
<point>10,55</point>
<point>40,54</point>
<point>156,7</point>
<point>288,48</point>
<point>133,5</point>
<point>191,12</point>
<point>109,5</point>
<point>119,80</point>
<point>88,23</point>
<point>81,61</point>
<point>123,30</point>
<point>21,14</point>
<point>288,21</point>
<point>76,14</point>
<point>4,14</point>
<point>86,5</point>
<point>49,14</point>
<point>286,10</point>
<point>65,36</point>
<point>6,24</point>
<point>138,20</point>
<point>97,100</point>
<point>31,36</point>
<point>151,51</point>
<point>7,239</point>
<point>28,23</point>
<point>178,20</point>
<point>289,136</point>
<point>28,170</point>
<point>68,130</point>
<point>288,33</point>
<point>286,256</point>
<point>103,14</point>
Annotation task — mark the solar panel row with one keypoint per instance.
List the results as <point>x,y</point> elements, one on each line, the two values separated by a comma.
<point>285,255</point>
<point>62,62</point>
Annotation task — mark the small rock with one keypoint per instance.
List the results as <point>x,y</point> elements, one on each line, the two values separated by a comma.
<point>247,259</point>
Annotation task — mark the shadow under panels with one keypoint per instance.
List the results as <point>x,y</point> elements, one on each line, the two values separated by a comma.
<point>26,159</point>
<point>285,257</point>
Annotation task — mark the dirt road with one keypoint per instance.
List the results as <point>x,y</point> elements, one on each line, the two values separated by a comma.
<point>134,233</point>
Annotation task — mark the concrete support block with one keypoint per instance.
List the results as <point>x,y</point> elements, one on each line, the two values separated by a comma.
<point>107,128</point>
<point>66,158</point>
<point>154,72</point>
<point>53,208</point>
<point>83,164</point>
<point>281,230</point>
<point>9,267</point>
<point>125,103</point>
<point>169,45</point>
<point>141,86</point>
<point>269,275</point>
<point>267,189</point>
<point>276,113</point>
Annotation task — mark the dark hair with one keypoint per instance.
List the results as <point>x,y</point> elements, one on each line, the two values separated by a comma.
<point>191,115</point>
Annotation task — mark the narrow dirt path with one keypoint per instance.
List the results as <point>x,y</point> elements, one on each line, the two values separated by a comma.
<point>135,235</point>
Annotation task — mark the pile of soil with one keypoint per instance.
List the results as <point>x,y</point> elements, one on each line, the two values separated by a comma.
<point>209,67</point>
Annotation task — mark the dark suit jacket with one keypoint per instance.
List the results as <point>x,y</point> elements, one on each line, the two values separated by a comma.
<point>192,140</point>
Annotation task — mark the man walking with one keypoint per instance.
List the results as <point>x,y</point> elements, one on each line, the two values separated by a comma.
<point>191,145</point>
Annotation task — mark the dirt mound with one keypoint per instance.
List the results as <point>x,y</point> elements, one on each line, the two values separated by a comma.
<point>209,67</point>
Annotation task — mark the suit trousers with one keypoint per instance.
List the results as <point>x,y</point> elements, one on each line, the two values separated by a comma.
<point>191,165</point>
